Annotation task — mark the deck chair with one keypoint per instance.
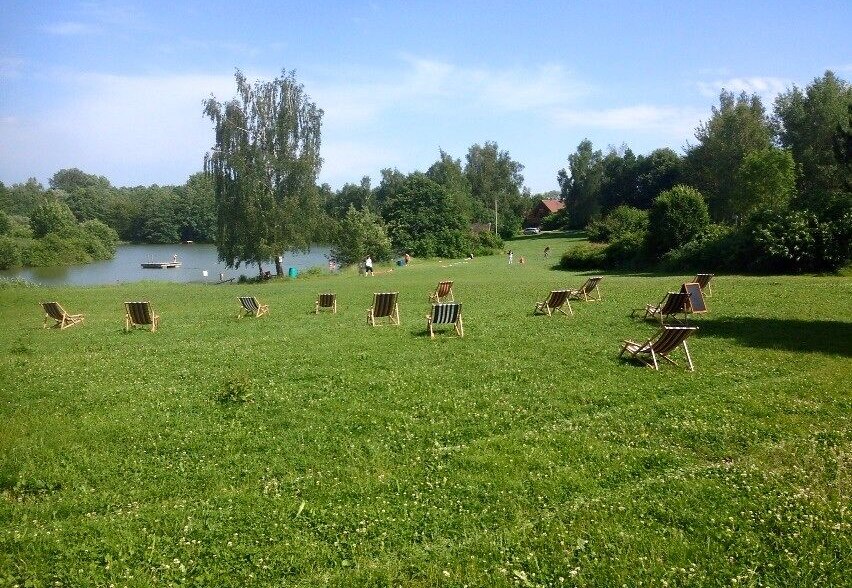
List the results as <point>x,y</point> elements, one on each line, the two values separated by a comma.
<point>445,313</point>
<point>251,307</point>
<point>442,292</point>
<point>139,314</point>
<point>327,302</point>
<point>384,305</point>
<point>554,302</point>
<point>661,344</point>
<point>673,304</point>
<point>585,291</point>
<point>54,310</point>
<point>703,280</point>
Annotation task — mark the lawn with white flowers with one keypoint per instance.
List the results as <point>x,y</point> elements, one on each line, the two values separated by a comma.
<point>314,450</point>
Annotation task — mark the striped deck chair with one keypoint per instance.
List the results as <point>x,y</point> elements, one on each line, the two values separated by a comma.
<point>326,301</point>
<point>139,314</point>
<point>54,310</point>
<point>673,304</point>
<point>251,307</point>
<point>442,292</point>
<point>703,280</point>
<point>661,344</point>
<point>554,302</point>
<point>445,313</point>
<point>384,305</point>
<point>585,291</point>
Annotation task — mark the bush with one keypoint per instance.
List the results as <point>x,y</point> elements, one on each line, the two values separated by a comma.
<point>627,250</point>
<point>10,253</point>
<point>486,243</point>
<point>555,221</point>
<point>51,216</point>
<point>622,220</point>
<point>676,218</point>
<point>797,241</point>
<point>359,234</point>
<point>102,233</point>
<point>718,247</point>
<point>584,256</point>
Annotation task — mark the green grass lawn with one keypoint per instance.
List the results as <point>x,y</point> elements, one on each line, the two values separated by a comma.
<point>525,454</point>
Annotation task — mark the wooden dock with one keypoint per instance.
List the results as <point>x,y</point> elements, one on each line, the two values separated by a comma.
<point>160,264</point>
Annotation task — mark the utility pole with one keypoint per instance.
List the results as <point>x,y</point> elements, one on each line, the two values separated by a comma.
<point>495,214</point>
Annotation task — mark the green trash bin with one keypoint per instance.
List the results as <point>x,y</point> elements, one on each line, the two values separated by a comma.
<point>293,272</point>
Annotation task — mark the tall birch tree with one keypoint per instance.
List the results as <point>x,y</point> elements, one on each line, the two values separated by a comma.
<point>264,165</point>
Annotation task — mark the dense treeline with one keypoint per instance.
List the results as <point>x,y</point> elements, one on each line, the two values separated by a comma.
<point>431,214</point>
<point>756,192</point>
<point>154,214</point>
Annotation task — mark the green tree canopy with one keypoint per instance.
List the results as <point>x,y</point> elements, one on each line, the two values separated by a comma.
<point>808,124</point>
<point>495,181</point>
<point>581,184</point>
<point>264,165</point>
<point>677,216</point>
<point>360,233</point>
<point>51,216</point>
<point>424,220</point>
<point>765,179</point>
<point>737,127</point>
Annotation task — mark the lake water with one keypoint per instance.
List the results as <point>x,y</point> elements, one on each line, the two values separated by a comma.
<point>126,266</point>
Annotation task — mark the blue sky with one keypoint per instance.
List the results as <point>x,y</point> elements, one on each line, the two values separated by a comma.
<point>116,88</point>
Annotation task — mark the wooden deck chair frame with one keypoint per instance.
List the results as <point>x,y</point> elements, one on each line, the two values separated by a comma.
<point>326,301</point>
<point>703,280</point>
<point>664,342</point>
<point>443,291</point>
<point>251,307</point>
<point>445,313</point>
<point>139,314</point>
<point>54,311</point>
<point>384,305</point>
<point>584,291</point>
<point>554,303</point>
<point>672,304</point>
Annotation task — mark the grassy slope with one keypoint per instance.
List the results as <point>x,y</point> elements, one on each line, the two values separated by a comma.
<point>524,454</point>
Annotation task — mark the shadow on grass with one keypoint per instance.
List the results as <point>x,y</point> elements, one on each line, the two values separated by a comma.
<point>829,337</point>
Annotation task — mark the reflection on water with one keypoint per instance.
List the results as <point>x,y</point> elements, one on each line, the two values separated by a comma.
<point>126,266</point>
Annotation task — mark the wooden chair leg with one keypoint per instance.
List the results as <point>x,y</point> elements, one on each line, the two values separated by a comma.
<point>688,357</point>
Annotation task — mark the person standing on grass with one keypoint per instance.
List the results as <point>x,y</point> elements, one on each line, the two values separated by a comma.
<point>368,266</point>
<point>511,256</point>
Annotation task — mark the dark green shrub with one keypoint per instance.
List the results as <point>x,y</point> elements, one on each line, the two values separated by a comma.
<point>676,218</point>
<point>51,216</point>
<point>718,247</point>
<point>359,234</point>
<point>622,220</point>
<point>627,250</point>
<point>486,243</point>
<point>584,256</point>
<point>10,254</point>
<point>103,233</point>
<point>555,221</point>
<point>793,241</point>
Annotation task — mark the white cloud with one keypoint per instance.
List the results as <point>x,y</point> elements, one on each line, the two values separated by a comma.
<point>135,130</point>
<point>765,87</point>
<point>675,122</point>
<point>423,85</point>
